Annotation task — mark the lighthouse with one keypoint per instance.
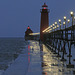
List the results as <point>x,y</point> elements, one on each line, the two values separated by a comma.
<point>27,32</point>
<point>44,19</point>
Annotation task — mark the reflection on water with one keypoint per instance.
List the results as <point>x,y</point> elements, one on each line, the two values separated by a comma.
<point>28,53</point>
<point>52,65</point>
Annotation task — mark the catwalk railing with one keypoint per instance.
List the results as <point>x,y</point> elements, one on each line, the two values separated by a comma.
<point>57,41</point>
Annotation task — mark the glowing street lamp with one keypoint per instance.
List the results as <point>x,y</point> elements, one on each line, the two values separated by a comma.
<point>68,20</point>
<point>60,23</point>
<point>54,28</point>
<point>53,25</point>
<point>56,24</point>
<point>59,20</point>
<point>65,18</point>
<point>72,15</point>
<point>65,21</point>
<point>63,24</point>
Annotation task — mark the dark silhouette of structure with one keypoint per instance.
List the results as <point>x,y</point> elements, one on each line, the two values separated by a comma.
<point>27,32</point>
<point>44,20</point>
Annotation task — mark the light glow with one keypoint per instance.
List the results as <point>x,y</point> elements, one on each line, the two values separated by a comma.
<point>34,33</point>
<point>59,20</point>
<point>64,23</point>
<point>28,28</point>
<point>71,13</point>
<point>44,8</point>
<point>57,26</point>
<point>68,20</point>
<point>74,17</point>
<point>51,25</point>
<point>55,23</point>
<point>49,30</point>
<point>46,29</point>
<point>64,17</point>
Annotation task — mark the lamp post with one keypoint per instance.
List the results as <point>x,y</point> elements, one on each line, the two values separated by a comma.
<point>65,20</point>
<point>63,24</point>
<point>64,50</point>
<point>59,37</point>
<point>55,40</point>
<point>56,25</point>
<point>53,27</point>
<point>72,15</point>
<point>60,23</point>
<point>68,22</point>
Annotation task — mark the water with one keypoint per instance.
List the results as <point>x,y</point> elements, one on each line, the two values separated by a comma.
<point>10,48</point>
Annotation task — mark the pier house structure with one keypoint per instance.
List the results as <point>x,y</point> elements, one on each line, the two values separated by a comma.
<point>44,19</point>
<point>27,32</point>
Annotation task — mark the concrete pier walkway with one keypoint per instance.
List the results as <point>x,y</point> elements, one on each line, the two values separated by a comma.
<point>37,59</point>
<point>28,63</point>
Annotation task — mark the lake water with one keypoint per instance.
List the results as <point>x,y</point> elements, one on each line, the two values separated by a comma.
<point>10,48</point>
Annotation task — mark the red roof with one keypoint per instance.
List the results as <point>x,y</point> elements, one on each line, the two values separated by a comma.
<point>44,5</point>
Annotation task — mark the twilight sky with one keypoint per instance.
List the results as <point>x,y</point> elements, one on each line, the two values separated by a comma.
<point>16,15</point>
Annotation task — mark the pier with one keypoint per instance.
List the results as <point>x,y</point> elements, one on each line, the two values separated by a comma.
<point>59,39</point>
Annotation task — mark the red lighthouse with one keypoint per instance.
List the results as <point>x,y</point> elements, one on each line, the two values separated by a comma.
<point>44,20</point>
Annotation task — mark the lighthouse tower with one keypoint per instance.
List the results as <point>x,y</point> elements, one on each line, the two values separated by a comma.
<point>44,19</point>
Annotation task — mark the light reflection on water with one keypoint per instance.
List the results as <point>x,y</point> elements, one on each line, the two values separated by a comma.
<point>52,65</point>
